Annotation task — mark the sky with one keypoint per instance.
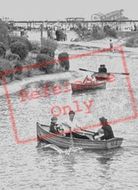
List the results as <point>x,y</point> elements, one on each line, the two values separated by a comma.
<point>61,9</point>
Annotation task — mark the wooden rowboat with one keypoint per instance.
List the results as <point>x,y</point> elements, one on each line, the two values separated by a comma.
<point>104,76</point>
<point>80,86</point>
<point>43,135</point>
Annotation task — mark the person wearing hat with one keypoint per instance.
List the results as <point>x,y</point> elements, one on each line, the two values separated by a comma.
<point>102,69</point>
<point>107,129</point>
<point>53,125</point>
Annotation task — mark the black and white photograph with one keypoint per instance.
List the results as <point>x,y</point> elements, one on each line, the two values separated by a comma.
<point>68,95</point>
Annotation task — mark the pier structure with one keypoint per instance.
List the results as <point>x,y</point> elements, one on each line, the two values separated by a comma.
<point>69,23</point>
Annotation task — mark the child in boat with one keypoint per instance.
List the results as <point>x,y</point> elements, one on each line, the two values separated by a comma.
<point>53,125</point>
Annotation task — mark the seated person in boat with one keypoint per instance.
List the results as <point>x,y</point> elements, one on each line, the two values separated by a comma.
<point>54,127</point>
<point>107,130</point>
<point>90,80</point>
<point>72,126</point>
<point>102,69</point>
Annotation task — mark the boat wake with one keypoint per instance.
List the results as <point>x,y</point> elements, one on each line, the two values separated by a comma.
<point>59,150</point>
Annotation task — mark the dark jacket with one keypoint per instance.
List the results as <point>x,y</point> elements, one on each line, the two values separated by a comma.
<point>102,70</point>
<point>108,132</point>
<point>53,128</point>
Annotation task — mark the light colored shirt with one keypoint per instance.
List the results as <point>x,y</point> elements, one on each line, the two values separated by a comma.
<point>73,125</point>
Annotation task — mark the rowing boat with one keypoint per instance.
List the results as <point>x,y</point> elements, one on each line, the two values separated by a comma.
<point>43,135</point>
<point>80,86</point>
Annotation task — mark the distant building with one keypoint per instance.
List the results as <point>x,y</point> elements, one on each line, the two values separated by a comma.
<point>97,16</point>
<point>115,15</point>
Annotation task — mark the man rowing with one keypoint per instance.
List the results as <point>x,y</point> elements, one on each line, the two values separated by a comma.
<point>102,69</point>
<point>72,126</point>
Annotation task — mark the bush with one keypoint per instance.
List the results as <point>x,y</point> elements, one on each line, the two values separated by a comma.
<point>12,57</point>
<point>132,42</point>
<point>19,49</point>
<point>23,40</point>
<point>46,61</point>
<point>2,50</point>
<point>5,66</point>
<point>64,60</point>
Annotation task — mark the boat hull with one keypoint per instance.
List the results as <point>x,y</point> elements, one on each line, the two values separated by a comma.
<point>77,87</point>
<point>104,77</point>
<point>43,135</point>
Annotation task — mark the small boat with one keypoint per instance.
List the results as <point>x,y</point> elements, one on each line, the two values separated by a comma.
<point>43,135</point>
<point>78,86</point>
<point>104,76</point>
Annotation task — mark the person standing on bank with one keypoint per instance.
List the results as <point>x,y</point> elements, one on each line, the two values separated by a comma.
<point>111,45</point>
<point>108,132</point>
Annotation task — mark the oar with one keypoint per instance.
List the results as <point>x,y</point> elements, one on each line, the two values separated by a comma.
<point>106,73</point>
<point>119,73</point>
<point>71,135</point>
<point>90,132</point>
<point>87,70</point>
<point>71,138</point>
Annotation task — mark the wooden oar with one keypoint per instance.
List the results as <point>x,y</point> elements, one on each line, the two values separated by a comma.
<point>71,138</point>
<point>87,70</point>
<point>105,73</point>
<point>71,135</point>
<point>90,132</point>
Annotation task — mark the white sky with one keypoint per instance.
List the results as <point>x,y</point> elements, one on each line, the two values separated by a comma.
<point>61,9</point>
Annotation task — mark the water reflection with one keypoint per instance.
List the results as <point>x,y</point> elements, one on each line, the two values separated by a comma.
<point>107,156</point>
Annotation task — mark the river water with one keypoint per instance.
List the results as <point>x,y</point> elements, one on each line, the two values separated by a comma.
<point>25,167</point>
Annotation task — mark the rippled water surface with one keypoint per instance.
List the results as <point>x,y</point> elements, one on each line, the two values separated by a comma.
<point>24,167</point>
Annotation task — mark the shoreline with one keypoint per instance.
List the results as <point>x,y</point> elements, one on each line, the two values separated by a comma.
<point>16,85</point>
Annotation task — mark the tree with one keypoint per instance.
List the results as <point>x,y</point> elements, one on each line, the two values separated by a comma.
<point>46,63</point>
<point>20,49</point>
